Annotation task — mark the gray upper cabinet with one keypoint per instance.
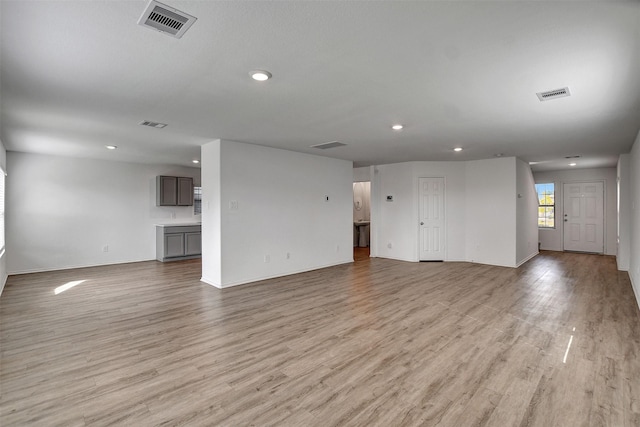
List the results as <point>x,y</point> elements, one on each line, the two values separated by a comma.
<point>185,191</point>
<point>174,191</point>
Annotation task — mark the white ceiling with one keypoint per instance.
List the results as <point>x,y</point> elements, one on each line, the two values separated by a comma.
<point>78,75</point>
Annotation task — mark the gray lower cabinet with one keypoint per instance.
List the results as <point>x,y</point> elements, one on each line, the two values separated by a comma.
<point>193,243</point>
<point>178,242</point>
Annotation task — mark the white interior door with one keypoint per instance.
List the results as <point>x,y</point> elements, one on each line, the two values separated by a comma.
<point>432,234</point>
<point>584,217</point>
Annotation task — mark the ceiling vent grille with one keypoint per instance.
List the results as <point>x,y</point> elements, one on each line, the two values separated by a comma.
<point>153,124</point>
<point>553,94</point>
<point>326,145</point>
<point>165,19</point>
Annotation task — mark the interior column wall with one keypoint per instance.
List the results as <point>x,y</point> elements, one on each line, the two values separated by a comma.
<point>491,211</point>
<point>3,255</point>
<point>634,265</point>
<point>281,212</point>
<point>623,257</point>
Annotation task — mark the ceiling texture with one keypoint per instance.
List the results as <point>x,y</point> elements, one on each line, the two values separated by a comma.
<point>76,76</point>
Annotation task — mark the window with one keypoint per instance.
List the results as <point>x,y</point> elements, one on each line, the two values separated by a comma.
<point>546,205</point>
<point>197,200</point>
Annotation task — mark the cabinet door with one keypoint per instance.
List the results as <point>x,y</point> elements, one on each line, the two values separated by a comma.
<point>174,244</point>
<point>193,243</point>
<point>185,191</point>
<point>167,191</point>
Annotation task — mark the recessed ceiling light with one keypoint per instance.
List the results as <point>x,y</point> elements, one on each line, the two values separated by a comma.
<point>260,75</point>
<point>397,127</point>
<point>457,149</point>
<point>499,155</point>
<point>572,164</point>
<point>195,161</point>
<point>111,147</point>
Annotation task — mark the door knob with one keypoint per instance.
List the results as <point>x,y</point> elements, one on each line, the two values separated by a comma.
<point>566,220</point>
<point>421,223</point>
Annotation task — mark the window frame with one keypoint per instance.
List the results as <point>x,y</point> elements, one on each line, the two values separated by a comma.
<point>546,206</point>
<point>197,200</point>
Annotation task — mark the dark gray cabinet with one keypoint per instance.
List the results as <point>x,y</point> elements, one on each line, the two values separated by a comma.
<point>175,242</point>
<point>185,191</point>
<point>174,191</point>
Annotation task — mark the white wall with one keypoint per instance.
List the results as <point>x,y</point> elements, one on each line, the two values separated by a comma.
<point>211,213</point>
<point>491,211</point>
<point>623,257</point>
<point>62,211</point>
<point>393,224</point>
<point>526,214</point>
<point>552,239</point>
<point>362,174</point>
<point>634,265</point>
<point>281,208</point>
<point>480,209</point>
<point>3,256</point>
<point>454,174</point>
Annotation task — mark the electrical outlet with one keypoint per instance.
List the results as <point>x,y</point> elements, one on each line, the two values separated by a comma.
<point>288,255</point>
<point>337,248</point>
<point>233,205</point>
<point>389,245</point>
<point>105,248</point>
<point>267,258</point>
<point>173,215</point>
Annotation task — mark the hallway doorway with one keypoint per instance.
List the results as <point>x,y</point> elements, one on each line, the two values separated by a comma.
<point>361,214</point>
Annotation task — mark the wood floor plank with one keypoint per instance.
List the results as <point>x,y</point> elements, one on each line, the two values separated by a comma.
<point>378,342</point>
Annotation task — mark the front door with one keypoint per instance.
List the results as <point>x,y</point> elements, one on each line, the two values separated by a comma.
<point>432,234</point>
<point>584,217</point>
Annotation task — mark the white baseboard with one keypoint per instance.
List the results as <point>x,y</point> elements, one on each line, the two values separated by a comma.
<point>259,279</point>
<point>210,282</point>
<point>636,289</point>
<point>71,267</point>
<point>527,259</point>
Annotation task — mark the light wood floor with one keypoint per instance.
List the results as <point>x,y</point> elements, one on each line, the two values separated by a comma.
<point>375,343</point>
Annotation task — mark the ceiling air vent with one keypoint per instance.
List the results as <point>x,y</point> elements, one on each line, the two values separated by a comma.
<point>153,124</point>
<point>326,145</point>
<point>553,94</point>
<point>165,19</point>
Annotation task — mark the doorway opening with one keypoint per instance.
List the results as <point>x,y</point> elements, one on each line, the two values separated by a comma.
<point>361,219</point>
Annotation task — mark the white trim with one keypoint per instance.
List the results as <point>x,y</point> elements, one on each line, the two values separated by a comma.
<point>259,279</point>
<point>636,289</point>
<point>533,255</point>
<point>71,267</point>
